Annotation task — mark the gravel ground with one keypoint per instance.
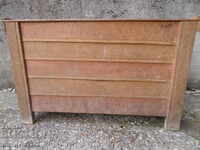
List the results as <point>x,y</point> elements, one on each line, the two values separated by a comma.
<point>87,132</point>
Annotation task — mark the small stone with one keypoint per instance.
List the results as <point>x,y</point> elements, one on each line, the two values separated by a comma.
<point>196,115</point>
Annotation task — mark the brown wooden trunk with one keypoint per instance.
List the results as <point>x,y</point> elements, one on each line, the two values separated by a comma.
<point>136,67</point>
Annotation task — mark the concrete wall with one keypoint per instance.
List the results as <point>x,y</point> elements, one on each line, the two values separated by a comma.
<point>142,9</point>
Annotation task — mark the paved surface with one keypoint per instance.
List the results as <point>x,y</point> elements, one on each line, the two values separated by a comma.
<point>93,132</point>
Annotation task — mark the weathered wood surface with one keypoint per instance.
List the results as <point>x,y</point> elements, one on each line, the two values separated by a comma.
<point>102,105</point>
<point>63,50</point>
<point>198,27</point>
<point>112,67</point>
<point>100,70</point>
<point>183,55</point>
<point>108,31</point>
<point>19,70</point>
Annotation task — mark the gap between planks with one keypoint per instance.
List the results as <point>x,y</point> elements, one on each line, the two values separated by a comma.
<point>96,79</point>
<point>101,60</point>
<point>118,97</point>
<point>173,43</point>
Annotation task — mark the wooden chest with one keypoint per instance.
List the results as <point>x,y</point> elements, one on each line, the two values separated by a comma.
<point>136,67</point>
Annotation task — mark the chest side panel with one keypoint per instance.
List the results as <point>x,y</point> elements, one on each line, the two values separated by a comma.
<point>100,67</point>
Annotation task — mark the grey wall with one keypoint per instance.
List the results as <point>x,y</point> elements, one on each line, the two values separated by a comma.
<point>142,9</point>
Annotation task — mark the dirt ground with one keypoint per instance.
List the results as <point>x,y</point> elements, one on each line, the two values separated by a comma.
<point>96,132</point>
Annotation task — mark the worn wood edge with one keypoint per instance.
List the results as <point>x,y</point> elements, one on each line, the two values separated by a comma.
<point>173,43</point>
<point>170,122</point>
<point>62,104</point>
<point>21,51</point>
<point>198,27</point>
<point>96,79</point>
<point>198,24</point>
<point>16,49</point>
<point>102,20</point>
<point>101,60</point>
<point>166,123</point>
<point>173,77</point>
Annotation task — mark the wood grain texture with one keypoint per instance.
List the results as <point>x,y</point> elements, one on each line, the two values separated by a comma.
<point>96,79</point>
<point>101,60</point>
<point>61,40</point>
<point>16,49</point>
<point>108,31</point>
<point>97,88</point>
<point>183,56</point>
<point>100,70</point>
<point>198,27</point>
<point>102,105</point>
<point>57,50</point>
<point>112,67</point>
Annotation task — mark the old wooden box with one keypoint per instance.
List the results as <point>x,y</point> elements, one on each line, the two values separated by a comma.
<point>136,67</point>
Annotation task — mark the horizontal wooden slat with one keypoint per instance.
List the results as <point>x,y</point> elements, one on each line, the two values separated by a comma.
<point>57,50</point>
<point>102,60</point>
<point>97,88</point>
<point>133,31</point>
<point>105,70</point>
<point>95,79</point>
<point>103,105</point>
<point>102,41</point>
